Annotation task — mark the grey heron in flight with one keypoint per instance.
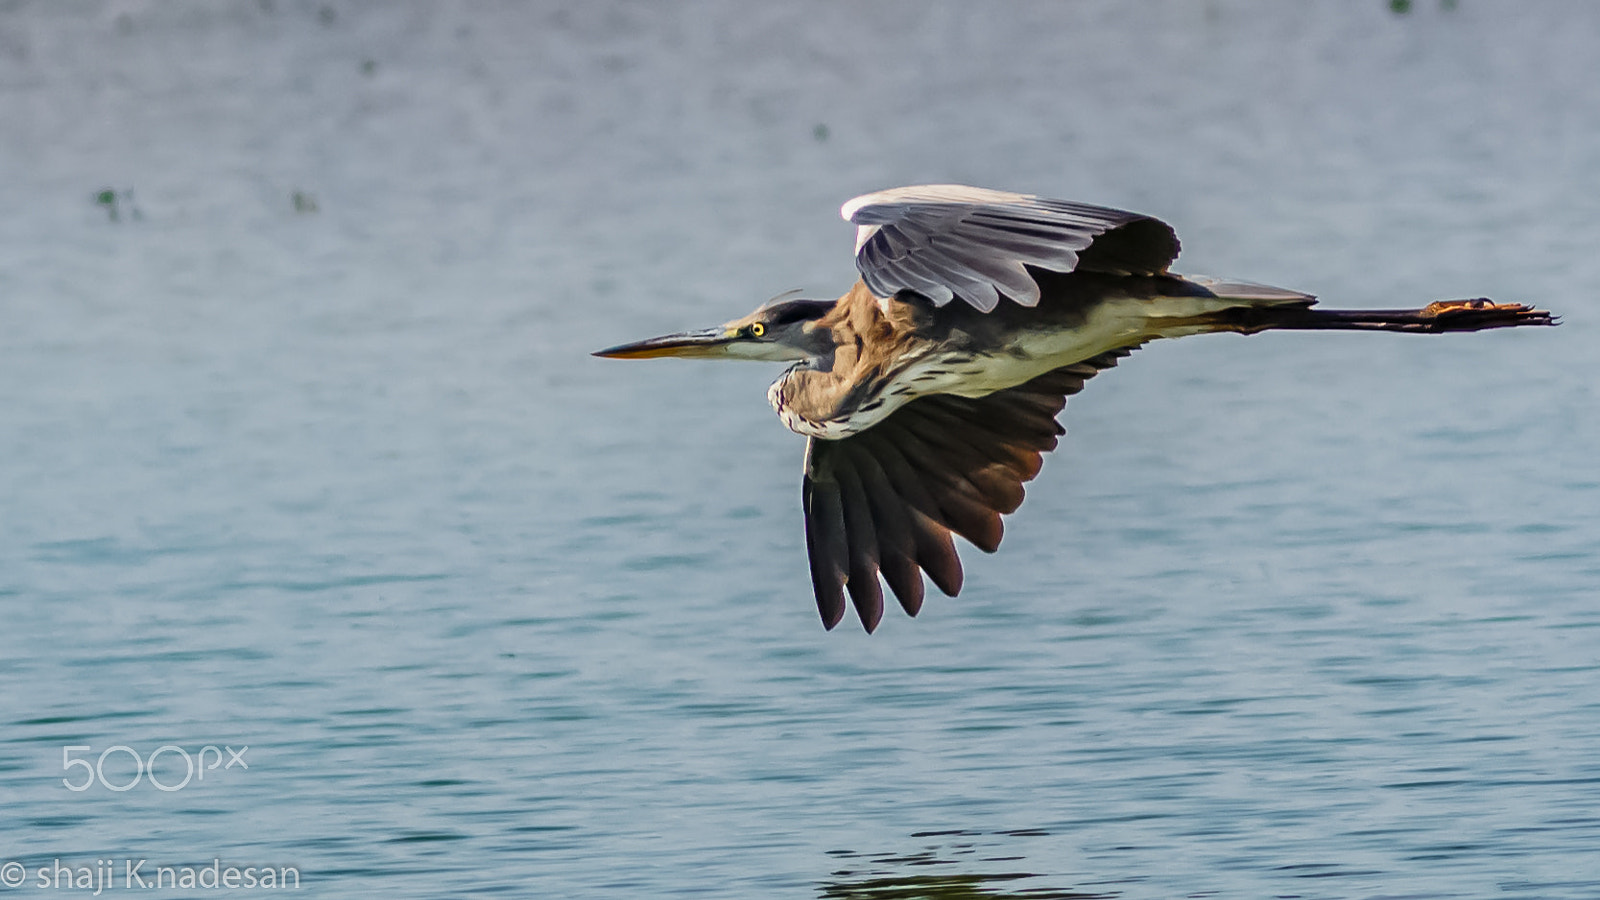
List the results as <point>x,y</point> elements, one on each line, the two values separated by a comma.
<point>929,392</point>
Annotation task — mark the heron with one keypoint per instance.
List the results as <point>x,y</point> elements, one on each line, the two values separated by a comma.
<point>928,393</point>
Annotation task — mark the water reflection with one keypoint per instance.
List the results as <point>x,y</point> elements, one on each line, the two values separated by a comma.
<point>944,887</point>
<point>885,876</point>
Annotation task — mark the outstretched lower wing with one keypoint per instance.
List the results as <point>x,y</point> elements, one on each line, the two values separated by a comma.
<point>886,501</point>
<point>947,241</point>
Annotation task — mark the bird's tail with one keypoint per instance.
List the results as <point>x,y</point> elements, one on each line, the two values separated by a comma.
<point>1435,318</point>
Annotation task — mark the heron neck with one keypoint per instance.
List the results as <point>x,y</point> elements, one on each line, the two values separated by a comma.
<point>837,394</point>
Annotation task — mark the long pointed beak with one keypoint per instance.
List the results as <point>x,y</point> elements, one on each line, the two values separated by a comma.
<point>708,343</point>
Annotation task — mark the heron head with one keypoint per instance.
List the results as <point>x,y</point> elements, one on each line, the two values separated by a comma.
<point>781,331</point>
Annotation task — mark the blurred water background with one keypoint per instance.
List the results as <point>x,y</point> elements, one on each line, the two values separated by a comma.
<point>301,450</point>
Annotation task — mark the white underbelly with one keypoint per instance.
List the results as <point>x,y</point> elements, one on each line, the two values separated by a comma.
<point>1111,325</point>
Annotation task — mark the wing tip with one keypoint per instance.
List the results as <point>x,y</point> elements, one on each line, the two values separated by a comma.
<point>831,609</point>
<point>866,595</point>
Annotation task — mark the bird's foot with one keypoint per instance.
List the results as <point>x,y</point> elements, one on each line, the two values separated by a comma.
<point>1441,307</point>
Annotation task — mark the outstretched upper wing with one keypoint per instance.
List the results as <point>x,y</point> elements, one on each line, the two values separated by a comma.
<point>947,240</point>
<point>886,500</point>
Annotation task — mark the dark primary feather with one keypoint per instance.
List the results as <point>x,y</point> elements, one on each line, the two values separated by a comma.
<point>886,501</point>
<point>1143,246</point>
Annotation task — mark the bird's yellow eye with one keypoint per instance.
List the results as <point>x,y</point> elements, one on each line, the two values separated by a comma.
<point>758,329</point>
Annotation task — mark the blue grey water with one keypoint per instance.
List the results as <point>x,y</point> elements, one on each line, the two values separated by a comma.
<point>301,450</point>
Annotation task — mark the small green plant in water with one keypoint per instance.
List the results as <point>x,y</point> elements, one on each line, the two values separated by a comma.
<point>113,201</point>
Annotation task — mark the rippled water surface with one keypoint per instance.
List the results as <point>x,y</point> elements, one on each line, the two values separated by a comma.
<point>301,450</point>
